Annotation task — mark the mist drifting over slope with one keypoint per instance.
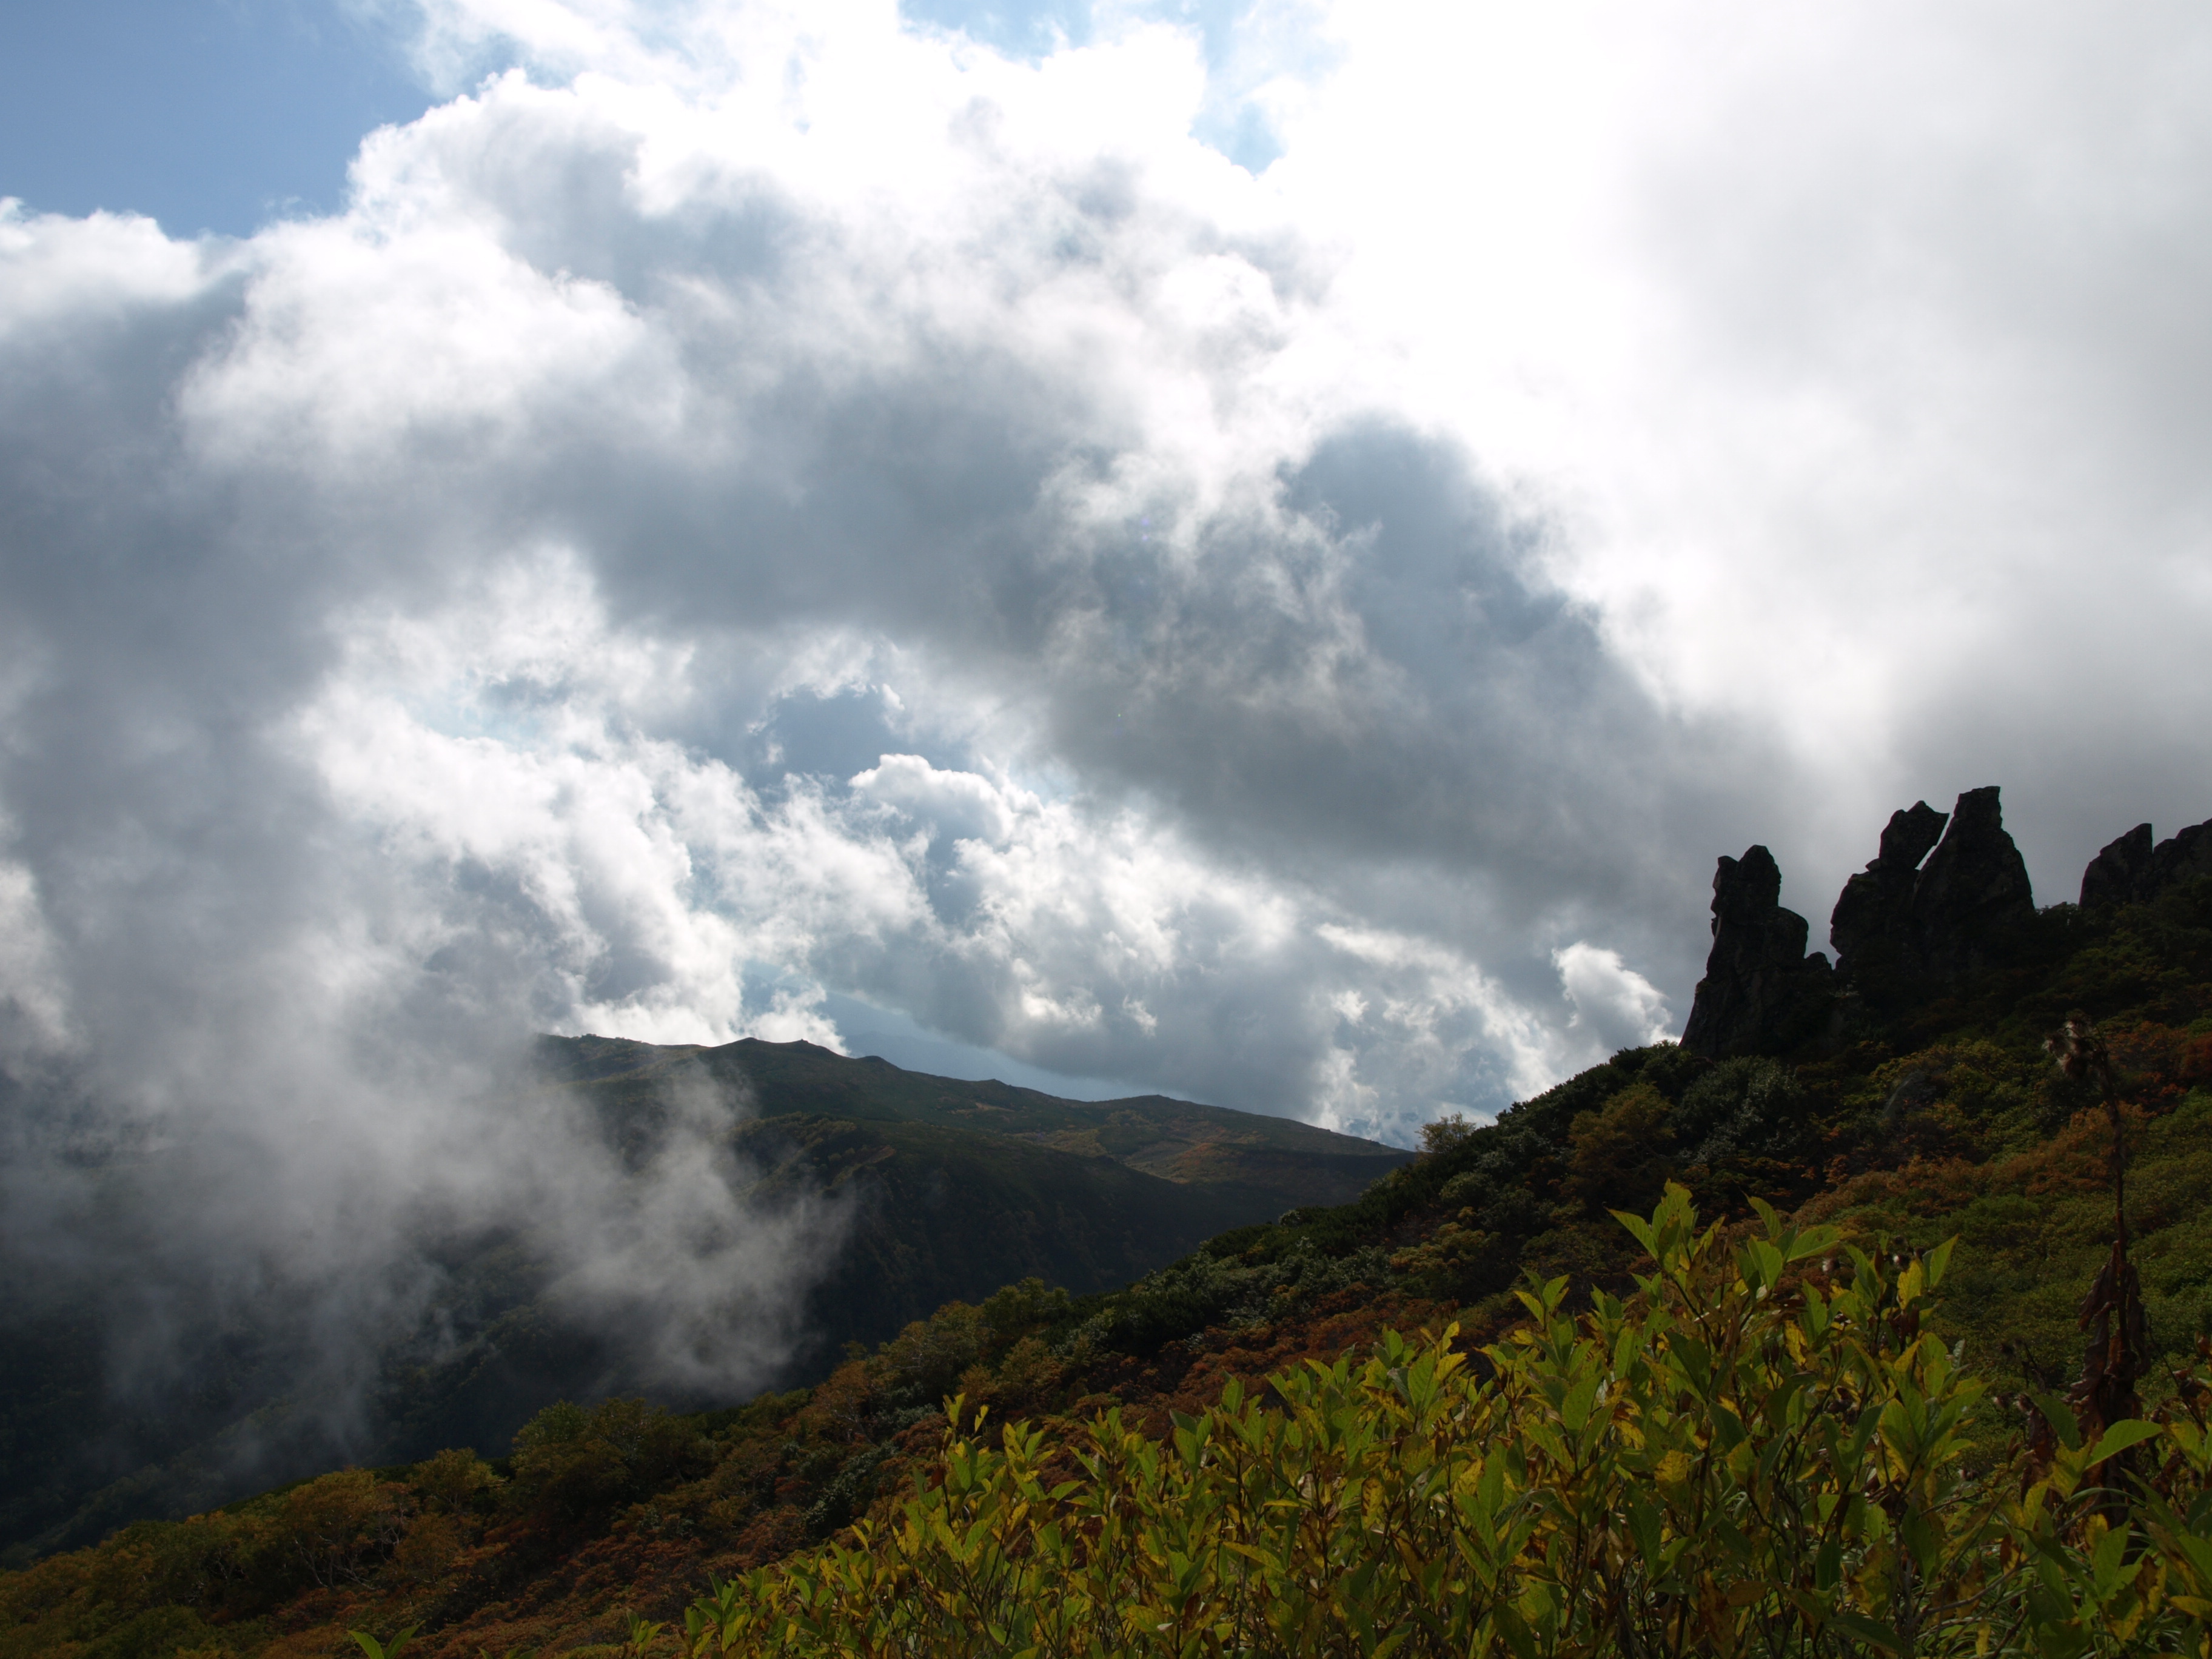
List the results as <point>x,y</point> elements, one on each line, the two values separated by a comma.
<point>751,503</point>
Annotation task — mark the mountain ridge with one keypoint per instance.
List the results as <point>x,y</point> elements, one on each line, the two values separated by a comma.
<point>1178,1140</point>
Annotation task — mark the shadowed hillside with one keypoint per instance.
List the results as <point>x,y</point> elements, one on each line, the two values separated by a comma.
<point>933,1189</point>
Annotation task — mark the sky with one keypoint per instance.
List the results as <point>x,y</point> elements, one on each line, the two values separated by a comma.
<point>206,115</point>
<point>1257,552</point>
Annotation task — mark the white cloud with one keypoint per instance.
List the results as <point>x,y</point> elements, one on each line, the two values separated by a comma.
<point>77,274</point>
<point>954,805</point>
<point>1432,1018</point>
<point>1853,346</point>
<point>1616,1006</point>
<point>759,499</point>
<point>494,750</point>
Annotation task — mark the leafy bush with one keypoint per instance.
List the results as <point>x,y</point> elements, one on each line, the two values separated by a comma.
<point>1751,1104</point>
<point>573,1462</point>
<point>1760,1451</point>
<point>1621,1151</point>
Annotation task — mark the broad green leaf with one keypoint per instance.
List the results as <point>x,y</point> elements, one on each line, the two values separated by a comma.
<point>2056,1412</point>
<point>1939,1262</point>
<point>1639,1229</point>
<point>1868,1630</point>
<point>2118,1438</point>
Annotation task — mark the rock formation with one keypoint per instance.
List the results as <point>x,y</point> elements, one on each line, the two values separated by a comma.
<point>1760,986</point>
<point>1873,913</point>
<point>2116,875</point>
<point>1900,927</point>
<point>2187,857</point>
<point>1971,895</point>
<point>2131,871</point>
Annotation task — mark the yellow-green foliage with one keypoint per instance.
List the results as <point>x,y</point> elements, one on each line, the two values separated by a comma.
<point>1758,1452</point>
<point>2033,1231</point>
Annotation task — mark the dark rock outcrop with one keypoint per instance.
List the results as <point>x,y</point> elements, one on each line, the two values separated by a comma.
<point>2131,871</point>
<point>1760,990</point>
<point>1874,912</point>
<point>1946,897</point>
<point>1973,895</point>
<point>1901,926</point>
<point>2187,857</point>
<point>2116,875</point>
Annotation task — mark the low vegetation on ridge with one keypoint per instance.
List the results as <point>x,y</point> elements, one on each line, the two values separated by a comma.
<point>1759,1451</point>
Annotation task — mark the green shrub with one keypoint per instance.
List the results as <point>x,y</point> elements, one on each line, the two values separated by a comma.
<point>1758,1452</point>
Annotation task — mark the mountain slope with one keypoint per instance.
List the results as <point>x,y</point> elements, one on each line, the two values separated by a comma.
<point>944,1189</point>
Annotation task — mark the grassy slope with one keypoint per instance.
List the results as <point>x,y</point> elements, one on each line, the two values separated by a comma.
<point>1935,1117</point>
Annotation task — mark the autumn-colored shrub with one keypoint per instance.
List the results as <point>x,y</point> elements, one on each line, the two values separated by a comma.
<point>571,1462</point>
<point>341,1526</point>
<point>1760,1451</point>
<point>1620,1153</point>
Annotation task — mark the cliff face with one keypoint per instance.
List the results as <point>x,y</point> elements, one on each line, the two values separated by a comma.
<point>1971,895</point>
<point>1872,910</point>
<point>1931,925</point>
<point>2118,873</point>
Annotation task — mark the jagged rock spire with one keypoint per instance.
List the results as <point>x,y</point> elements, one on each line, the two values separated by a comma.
<point>2116,875</point>
<point>2131,871</point>
<point>1900,925</point>
<point>1972,893</point>
<point>1873,910</point>
<point>1757,979</point>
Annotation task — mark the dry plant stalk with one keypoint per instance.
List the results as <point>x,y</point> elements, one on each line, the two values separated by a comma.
<point>2112,1313</point>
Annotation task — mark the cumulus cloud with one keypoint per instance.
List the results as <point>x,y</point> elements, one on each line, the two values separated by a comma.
<point>752,504</point>
<point>1027,434</point>
<point>499,751</point>
<point>1616,1007</point>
